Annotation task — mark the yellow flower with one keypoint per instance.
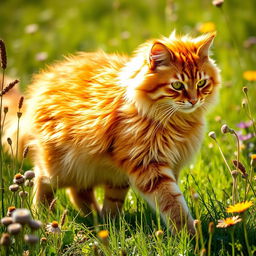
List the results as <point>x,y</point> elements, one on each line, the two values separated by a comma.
<point>103,234</point>
<point>250,75</point>
<point>206,27</point>
<point>253,156</point>
<point>228,222</point>
<point>239,207</point>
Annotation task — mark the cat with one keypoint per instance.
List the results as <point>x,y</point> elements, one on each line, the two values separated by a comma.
<point>118,121</point>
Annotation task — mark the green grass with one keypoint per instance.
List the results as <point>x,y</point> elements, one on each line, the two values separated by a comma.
<point>64,27</point>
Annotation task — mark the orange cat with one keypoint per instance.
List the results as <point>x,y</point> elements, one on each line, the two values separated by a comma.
<point>104,119</point>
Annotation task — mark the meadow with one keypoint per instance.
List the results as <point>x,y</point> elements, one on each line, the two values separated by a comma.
<point>37,33</point>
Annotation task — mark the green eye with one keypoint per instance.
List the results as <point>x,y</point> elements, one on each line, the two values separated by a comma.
<point>177,85</point>
<point>201,83</point>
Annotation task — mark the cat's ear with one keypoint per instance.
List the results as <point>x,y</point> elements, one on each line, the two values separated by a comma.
<point>160,55</point>
<point>205,45</point>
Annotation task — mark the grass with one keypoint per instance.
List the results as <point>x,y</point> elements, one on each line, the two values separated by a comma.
<point>120,26</point>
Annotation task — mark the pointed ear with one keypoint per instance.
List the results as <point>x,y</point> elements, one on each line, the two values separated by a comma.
<point>160,55</point>
<point>205,45</point>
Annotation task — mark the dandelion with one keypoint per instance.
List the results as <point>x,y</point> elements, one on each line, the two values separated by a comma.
<point>239,207</point>
<point>14,228</point>
<point>22,216</point>
<point>250,75</point>
<point>6,221</point>
<point>253,160</point>
<point>29,175</point>
<point>14,187</point>
<point>18,179</point>
<point>228,222</point>
<point>206,27</point>
<point>5,239</point>
<point>103,236</point>
<point>31,239</point>
<point>53,227</point>
<point>10,211</point>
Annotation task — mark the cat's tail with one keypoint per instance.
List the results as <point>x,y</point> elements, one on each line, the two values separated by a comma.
<point>14,137</point>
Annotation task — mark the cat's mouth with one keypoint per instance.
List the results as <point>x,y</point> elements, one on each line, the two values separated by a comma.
<point>189,108</point>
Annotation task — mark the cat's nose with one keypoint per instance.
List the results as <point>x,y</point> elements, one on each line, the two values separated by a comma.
<point>193,101</point>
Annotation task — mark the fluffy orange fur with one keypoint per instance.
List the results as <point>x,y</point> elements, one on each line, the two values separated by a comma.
<point>103,119</point>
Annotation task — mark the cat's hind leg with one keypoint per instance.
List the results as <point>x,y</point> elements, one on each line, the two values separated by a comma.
<point>114,199</point>
<point>83,199</point>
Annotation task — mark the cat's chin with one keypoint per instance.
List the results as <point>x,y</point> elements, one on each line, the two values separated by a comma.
<point>188,110</point>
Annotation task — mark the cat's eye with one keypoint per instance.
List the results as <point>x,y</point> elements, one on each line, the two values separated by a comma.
<point>177,85</point>
<point>201,83</point>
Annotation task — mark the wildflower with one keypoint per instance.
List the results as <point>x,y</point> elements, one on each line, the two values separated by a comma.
<point>239,207</point>
<point>226,129</point>
<point>53,227</point>
<point>29,175</point>
<point>41,56</point>
<point>10,210</point>
<point>5,239</point>
<point>35,224</point>
<point>18,179</point>
<point>159,233</point>
<point>244,137</point>
<point>43,240</point>
<point>6,221</point>
<point>244,125</point>
<point>22,216</point>
<point>14,228</point>
<point>31,239</point>
<point>212,135</point>
<point>206,27</point>
<point>31,28</point>
<point>103,236</point>
<point>29,183</point>
<point>228,222</point>
<point>23,194</point>
<point>218,3</point>
<point>250,42</point>
<point>250,75</point>
<point>253,160</point>
<point>14,187</point>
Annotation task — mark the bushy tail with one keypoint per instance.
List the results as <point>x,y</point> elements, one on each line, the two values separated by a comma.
<point>12,131</point>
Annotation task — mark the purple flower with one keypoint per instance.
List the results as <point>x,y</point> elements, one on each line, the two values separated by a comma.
<point>244,137</point>
<point>244,125</point>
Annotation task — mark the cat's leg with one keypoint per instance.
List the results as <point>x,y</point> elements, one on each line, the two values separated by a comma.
<point>158,185</point>
<point>83,199</point>
<point>114,199</point>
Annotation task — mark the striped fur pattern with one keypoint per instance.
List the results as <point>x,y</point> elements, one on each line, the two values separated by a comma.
<point>117,121</point>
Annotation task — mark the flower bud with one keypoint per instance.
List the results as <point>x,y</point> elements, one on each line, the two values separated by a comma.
<point>212,135</point>
<point>14,228</point>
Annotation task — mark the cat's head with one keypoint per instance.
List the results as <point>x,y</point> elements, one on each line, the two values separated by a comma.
<point>174,73</point>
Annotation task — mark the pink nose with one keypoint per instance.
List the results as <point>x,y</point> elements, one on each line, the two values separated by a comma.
<point>193,101</point>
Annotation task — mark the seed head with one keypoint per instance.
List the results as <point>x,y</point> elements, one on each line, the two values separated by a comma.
<point>9,87</point>
<point>29,183</point>
<point>226,129</point>
<point>5,239</point>
<point>234,173</point>
<point>52,204</point>
<point>212,135</point>
<point>18,179</point>
<point>35,224</point>
<point>63,217</point>
<point>218,3</point>
<point>245,89</point>
<point>31,239</point>
<point>159,233</point>
<point>3,54</point>
<point>43,240</point>
<point>9,140</point>
<point>22,216</point>
<point>6,221</point>
<point>211,227</point>
<point>21,102</point>
<point>14,187</point>
<point>6,109</point>
<point>25,152</point>
<point>253,160</point>
<point>14,228</point>
<point>241,167</point>
<point>19,114</point>
<point>244,103</point>
<point>29,174</point>
<point>23,194</point>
